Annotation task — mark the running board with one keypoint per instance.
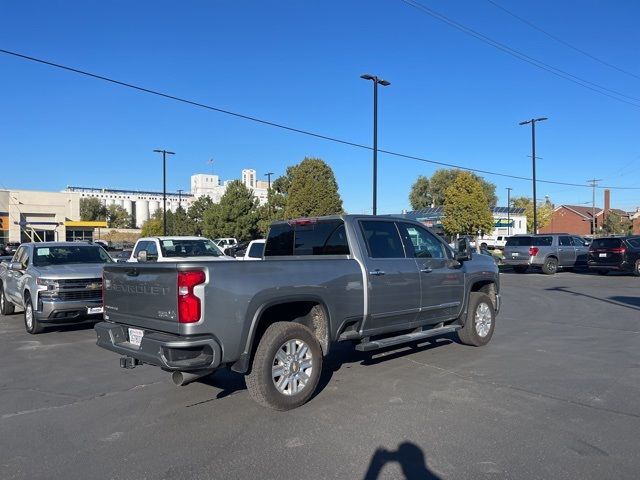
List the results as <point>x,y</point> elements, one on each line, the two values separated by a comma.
<point>406,338</point>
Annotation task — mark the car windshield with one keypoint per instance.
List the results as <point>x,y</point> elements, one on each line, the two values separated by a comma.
<point>200,247</point>
<point>61,255</point>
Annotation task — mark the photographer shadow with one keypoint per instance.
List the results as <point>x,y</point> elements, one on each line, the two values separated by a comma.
<point>409,456</point>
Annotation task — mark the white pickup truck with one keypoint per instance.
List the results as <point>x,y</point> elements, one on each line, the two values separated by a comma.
<point>175,249</point>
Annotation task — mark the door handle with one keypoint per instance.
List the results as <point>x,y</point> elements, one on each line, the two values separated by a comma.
<point>377,272</point>
<point>426,269</point>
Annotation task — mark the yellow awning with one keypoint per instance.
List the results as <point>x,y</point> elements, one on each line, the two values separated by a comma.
<point>86,224</point>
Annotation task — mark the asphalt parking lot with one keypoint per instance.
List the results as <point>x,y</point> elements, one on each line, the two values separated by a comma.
<point>554,395</point>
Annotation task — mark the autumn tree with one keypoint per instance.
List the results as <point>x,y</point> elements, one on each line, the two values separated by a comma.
<point>544,212</point>
<point>440,181</point>
<point>466,208</point>
<point>615,224</point>
<point>313,190</point>
<point>92,209</point>
<point>152,228</point>
<point>118,217</point>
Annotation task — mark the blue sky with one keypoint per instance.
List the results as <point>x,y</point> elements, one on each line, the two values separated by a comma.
<point>452,98</point>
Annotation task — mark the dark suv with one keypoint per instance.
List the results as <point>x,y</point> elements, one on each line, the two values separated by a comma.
<point>615,253</point>
<point>549,252</point>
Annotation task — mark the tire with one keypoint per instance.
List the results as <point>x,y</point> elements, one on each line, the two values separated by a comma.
<point>520,268</point>
<point>550,266</point>
<point>636,269</point>
<point>6,307</point>
<point>285,391</point>
<point>480,322</point>
<point>31,323</point>
<point>602,271</point>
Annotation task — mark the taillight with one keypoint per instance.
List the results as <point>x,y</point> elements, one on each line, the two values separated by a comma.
<point>188,302</point>
<point>618,250</point>
<point>533,251</point>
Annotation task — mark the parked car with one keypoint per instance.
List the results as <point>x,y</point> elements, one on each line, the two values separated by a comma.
<point>56,283</point>
<point>224,243</point>
<point>548,252</point>
<point>615,253</point>
<point>253,251</point>
<point>378,281</point>
<point>237,248</point>
<point>10,248</point>
<point>175,249</point>
<point>121,256</point>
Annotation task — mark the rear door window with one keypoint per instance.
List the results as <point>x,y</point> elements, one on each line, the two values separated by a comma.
<point>542,241</point>
<point>382,239</point>
<point>565,241</point>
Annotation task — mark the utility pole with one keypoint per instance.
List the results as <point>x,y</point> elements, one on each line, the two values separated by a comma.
<point>180,197</point>
<point>164,186</point>
<point>376,80</point>
<point>593,184</point>
<point>268,175</point>
<point>533,159</point>
<point>509,211</point>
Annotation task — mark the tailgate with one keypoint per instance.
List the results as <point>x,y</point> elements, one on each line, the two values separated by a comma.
<point>142,295</point>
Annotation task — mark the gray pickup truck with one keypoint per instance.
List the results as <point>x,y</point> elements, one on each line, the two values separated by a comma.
<point>56,283</point>
<point>374,281</point>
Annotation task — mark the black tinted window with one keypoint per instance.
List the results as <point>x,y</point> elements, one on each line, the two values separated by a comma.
<point>565,242</point>
<point>542,241</point>
<point>383,239</point>
<point>518,242</point>
<point>308,237</point>
<point>256,250</point>
<point>606,243</point>
<point>634,242</point>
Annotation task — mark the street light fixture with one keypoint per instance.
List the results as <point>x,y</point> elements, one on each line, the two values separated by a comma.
<point>533,159</point>
<point>164,186</point>
<point>376,80</point>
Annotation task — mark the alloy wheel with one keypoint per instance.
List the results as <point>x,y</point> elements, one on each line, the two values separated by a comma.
<point>292,367</point>
<point>483,320</point>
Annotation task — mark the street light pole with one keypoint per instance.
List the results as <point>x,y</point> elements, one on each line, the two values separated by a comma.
<point>268,175</point>
<point>594,184</point>
<point>164,186</point>
<point>509,211</point>
<point>533,159</point>
<point>376,80</point>
<point>180,197</point>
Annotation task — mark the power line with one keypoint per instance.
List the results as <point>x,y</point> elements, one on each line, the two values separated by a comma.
<point>286,127</point>
<point>526,58</point>
<point>563,42</point>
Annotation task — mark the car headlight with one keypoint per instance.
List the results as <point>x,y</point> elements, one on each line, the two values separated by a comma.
<point>47,282</point>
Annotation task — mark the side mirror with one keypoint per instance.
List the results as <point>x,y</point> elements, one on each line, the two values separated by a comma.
<point>463,250</point>
<point>142,256</point>
<point>15,266</point>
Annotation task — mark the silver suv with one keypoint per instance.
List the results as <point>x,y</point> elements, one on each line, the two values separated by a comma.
<point>546,251</point>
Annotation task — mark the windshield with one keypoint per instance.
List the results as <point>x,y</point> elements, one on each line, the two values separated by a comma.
<point>201,247</point>
<point>62,255</point>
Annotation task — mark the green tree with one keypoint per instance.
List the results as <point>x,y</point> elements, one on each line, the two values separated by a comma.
<point>151,228</point>
<point>196,212</point>
<point>92,209</point>
<point>313,190</point>
<point>615,224</point>
<point>181,223</point>
<point>444,177</point>
<point>118,217</point>
<point>466,209</point>
<point>420,195</point>
<point>235,215</point>
<point>544,211</point>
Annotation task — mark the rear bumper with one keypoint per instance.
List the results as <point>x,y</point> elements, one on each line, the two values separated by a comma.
<point>66,312</point>
<point>525,261</point>
<point>623,267</point>
<point>168,351</point>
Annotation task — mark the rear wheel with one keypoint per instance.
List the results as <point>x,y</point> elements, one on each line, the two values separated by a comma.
<point>636,269</point>
<point>286,366</point>
<point>31,323</point>
<point>6,307</point>
<point>550,266</point>
<point>480,322</point>
<point>520,268</point>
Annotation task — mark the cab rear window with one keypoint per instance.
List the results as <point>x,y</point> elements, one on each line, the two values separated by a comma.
<point>307,237</point>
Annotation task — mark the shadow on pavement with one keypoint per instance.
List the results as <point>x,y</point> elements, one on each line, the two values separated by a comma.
<point>409,456</point>
<point>632,303</point>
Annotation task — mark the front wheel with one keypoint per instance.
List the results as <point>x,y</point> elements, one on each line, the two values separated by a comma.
<point>6,307</point>
<point>550,266</point>
<point>286,366</point>
<point>31,323</point>
<point>480,322</point>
